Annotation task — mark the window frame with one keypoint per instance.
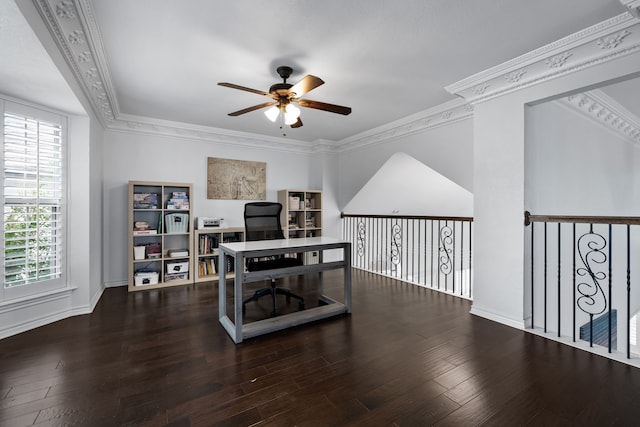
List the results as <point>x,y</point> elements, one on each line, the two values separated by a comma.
<point>41,287</point>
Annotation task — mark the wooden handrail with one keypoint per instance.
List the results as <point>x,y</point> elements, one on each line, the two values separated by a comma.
<point>441,218</point>
<point>630,220</point>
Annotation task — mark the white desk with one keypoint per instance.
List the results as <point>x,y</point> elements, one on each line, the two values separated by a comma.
<point>242,250</point>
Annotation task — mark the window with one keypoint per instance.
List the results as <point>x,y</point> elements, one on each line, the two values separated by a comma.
<point>33,199</point>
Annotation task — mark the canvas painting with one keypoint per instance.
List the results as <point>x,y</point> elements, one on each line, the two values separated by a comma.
<point>229,179</point>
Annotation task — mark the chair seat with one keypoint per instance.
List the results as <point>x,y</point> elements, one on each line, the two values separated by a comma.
<point>270,264</point>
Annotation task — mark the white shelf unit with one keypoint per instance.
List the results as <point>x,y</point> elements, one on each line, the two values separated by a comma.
<point>164,256</point>
<point>301,212</point>
<point>205,247</point>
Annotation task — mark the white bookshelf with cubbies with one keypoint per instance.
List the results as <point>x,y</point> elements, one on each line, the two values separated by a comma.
<point>206,244</point>
<point>160,235</point>
<point>301,212</point>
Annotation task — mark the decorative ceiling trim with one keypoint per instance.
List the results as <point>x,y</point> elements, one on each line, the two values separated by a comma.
<point>603,42</point>
<point>601,108</point>
<point>443,114</point>
<point>135,124</point>
<point>72,26</point>
<point>633,6</point>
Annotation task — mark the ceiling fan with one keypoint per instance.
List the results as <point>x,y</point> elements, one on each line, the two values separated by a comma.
<point>286,96</point>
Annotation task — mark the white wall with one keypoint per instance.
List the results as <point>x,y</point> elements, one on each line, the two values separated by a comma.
<point>499,187</point>
<point>498,210</point>
<point>576,166</point>
<point>96,227</point>
<point>136,156</point>
<point>446,149</point>
<point>329,177</point>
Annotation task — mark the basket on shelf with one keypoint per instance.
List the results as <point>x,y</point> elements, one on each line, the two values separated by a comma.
<point>176,223</point>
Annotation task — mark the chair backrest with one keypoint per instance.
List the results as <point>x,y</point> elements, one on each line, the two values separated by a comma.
<point>262,221</point>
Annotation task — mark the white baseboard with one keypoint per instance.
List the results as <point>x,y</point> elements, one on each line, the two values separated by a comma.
<point>518,324</point>
<point>40,310</point>
<point>115,284</point>
<point>95,299</point>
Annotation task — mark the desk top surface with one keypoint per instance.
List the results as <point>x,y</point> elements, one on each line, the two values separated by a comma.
<point>257,245</point>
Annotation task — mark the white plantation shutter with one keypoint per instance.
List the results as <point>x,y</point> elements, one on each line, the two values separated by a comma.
<point>33,196</point>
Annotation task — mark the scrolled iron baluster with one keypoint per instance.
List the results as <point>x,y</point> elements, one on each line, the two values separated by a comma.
<point>446,240</point>
<point>362,232</point>
<point>592,299</point>
<point>396,241</point>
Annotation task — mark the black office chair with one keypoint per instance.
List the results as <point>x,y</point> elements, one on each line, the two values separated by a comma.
<point>262,222</point>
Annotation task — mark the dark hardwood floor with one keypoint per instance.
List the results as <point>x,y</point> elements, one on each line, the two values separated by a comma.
<point>406,356</point>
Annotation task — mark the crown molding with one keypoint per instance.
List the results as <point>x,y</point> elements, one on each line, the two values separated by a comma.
<point>603,42</point>
<point>601,108</point>
<point>73,28</point>
<point>145,125</point>
<point>440,115</point>
<point>633,6</point>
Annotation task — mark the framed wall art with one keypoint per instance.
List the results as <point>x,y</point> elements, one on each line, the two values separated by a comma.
<point>229,179</point>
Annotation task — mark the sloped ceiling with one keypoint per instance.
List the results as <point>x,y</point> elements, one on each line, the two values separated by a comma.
<point>431,193</point>
<point>153,65</point>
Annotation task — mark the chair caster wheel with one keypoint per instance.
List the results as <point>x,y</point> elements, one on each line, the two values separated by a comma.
<point>273,314</point>
<point>301,306</point>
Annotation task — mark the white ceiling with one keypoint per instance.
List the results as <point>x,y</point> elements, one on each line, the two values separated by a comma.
<point>27,72</point>
<point>385,59</point>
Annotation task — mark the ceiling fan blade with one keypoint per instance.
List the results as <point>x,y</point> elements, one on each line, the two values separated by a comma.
<point>297,124</point>
<point>332,108</point>
<point>255,107</point>
<point>247,89</point>
<point>307,84</point>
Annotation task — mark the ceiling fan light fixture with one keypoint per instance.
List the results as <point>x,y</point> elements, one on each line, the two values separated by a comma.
<point>291,114</point>
<point>272,113</point>
<point>284,94</point>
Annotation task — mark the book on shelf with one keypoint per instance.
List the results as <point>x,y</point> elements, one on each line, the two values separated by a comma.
<point>229,262</point>
<point>208,267</point>
<point>207,244</point>
<point>145,201</point>
<point>179,201</point>
<point>231,238</point>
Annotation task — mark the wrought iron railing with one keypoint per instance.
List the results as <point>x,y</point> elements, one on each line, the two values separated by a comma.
<point>582,280</point>
<point>429,251</point>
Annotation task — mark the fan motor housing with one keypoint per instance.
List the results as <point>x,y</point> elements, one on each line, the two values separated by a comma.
<point>280,89</point>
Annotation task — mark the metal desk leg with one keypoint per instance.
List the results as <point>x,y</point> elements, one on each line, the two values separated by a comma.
<point>347,276</point>
<point>237,295</point>
<point>222,288</point>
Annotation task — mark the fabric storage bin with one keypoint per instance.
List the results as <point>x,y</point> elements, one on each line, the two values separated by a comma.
<point>177,267</point>
<point>145,278</point>
<point>176,222</point>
